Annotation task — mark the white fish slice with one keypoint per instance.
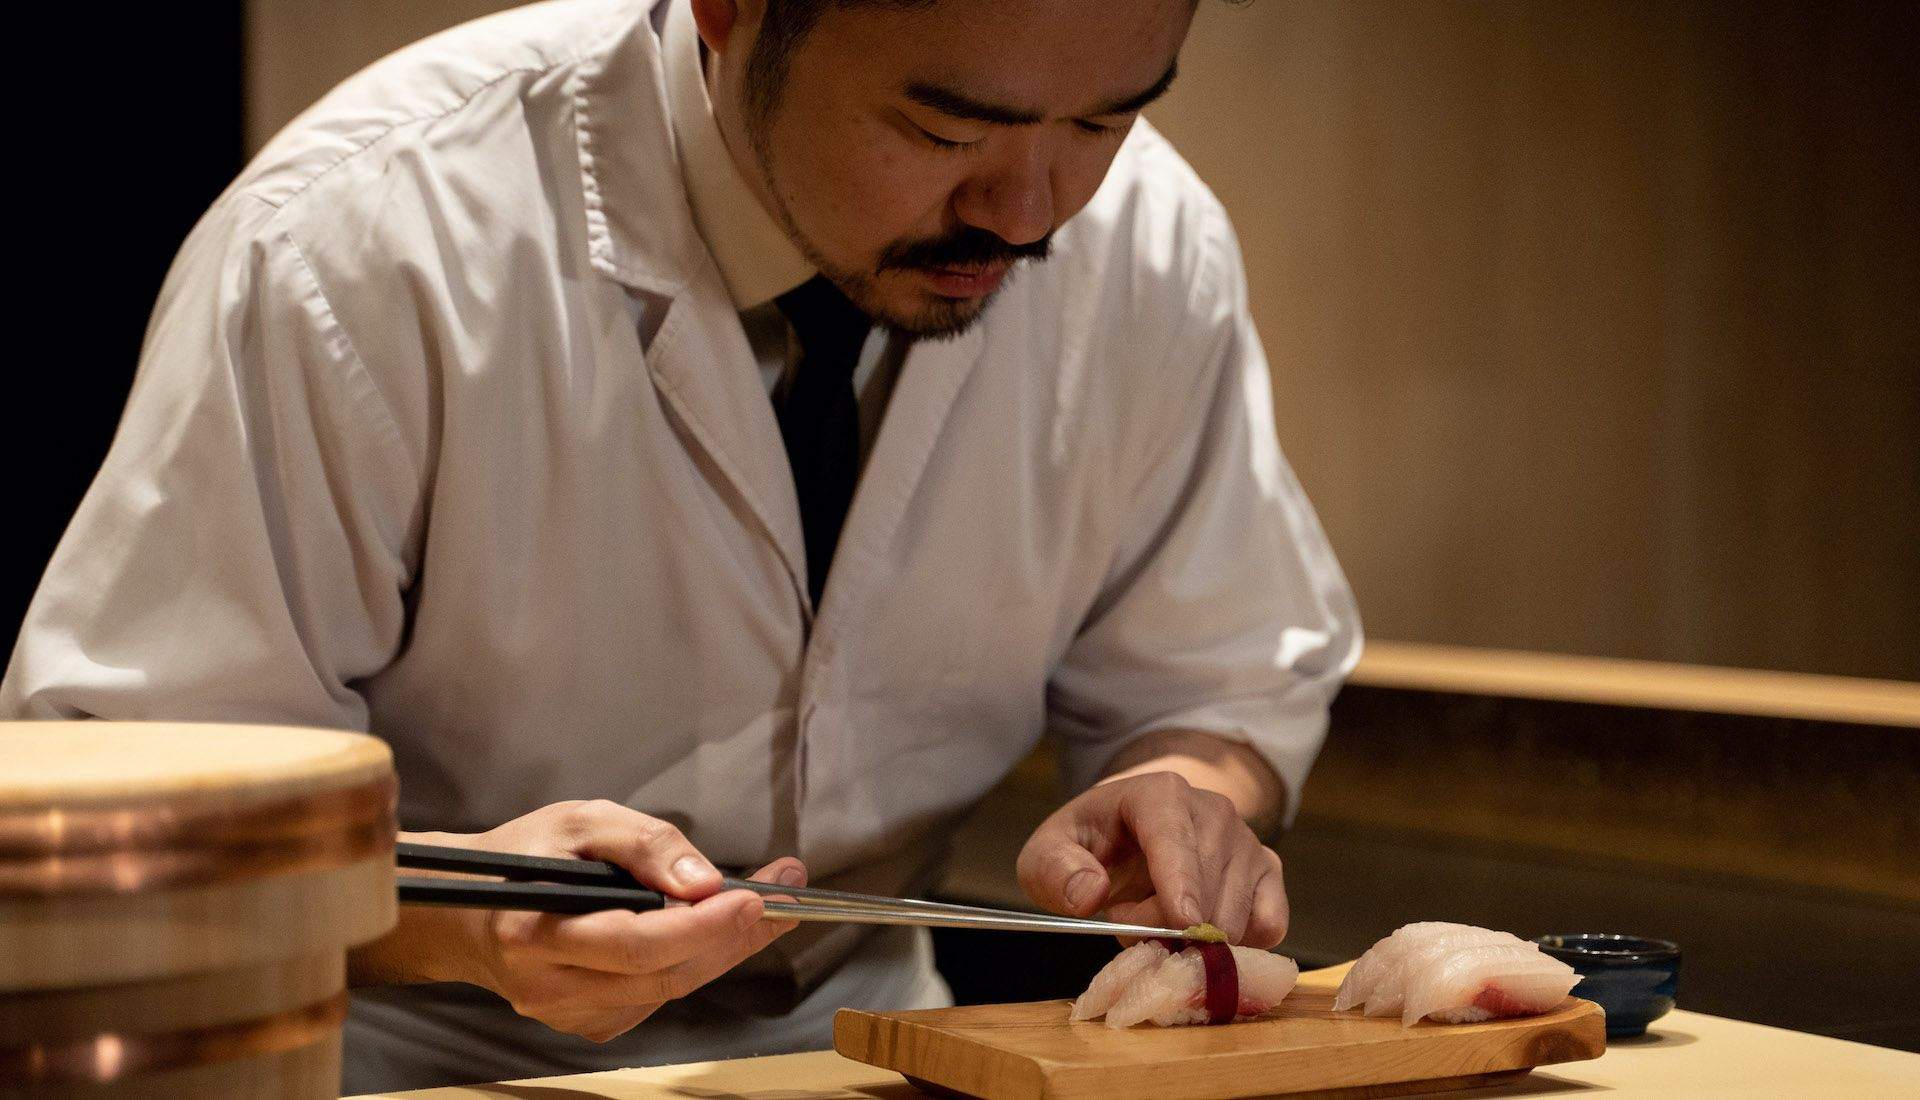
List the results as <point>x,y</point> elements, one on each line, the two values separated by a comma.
<point>1174,991</point>
<point>1481,983</point>
<point>1265,980</point>
<point>1383,958</point>
<point>1389,995</point>
<point>1116,977</point>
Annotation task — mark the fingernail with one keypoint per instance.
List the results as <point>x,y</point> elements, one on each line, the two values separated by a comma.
<point>749,916</point>
<point>792,877</point>
<point>691,869</point>
<point>1080,888</point>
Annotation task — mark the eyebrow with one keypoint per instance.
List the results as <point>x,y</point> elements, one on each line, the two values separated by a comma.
<point>957,104</point>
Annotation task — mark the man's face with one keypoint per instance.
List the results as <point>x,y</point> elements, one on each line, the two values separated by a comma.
<point>915,155</point>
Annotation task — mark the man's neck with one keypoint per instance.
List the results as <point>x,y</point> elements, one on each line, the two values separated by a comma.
<point>733,137</point>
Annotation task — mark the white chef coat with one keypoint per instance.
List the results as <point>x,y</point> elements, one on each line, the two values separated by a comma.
<point>397,458</point>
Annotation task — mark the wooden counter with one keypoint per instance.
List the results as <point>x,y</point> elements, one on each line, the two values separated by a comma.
<point>1687,1054</point>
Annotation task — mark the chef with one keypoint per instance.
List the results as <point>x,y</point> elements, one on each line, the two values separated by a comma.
<point>722,433</point>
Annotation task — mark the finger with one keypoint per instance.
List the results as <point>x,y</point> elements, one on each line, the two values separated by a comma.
<point>1145,911</point>
<point>610,991</point>
<point>1157,811</point>
<point>705,967</point>
<point>1234,891</point>
<point>621,942</point>
<point>1226,852</point>
<point>1059,873</point>
<point>786,871</point>
<point>1270,916</point>
<point>649,849</point>
<point>1220,837</point>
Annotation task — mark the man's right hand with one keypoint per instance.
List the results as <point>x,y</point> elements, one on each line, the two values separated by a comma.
<point>595,975</point>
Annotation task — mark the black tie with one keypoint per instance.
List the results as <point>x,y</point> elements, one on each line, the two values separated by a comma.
<point>820,418</point>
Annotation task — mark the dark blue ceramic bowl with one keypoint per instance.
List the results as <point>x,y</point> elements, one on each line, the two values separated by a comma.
<point>1634,979</point>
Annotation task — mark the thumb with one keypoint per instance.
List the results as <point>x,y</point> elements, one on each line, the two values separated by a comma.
<point>1062,876</point>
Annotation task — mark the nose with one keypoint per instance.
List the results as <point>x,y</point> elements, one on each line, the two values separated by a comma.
<point>1013,198</point>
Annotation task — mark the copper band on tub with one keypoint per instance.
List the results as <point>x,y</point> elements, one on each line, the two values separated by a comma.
<point>154,845</point>
<point>111,1056</point>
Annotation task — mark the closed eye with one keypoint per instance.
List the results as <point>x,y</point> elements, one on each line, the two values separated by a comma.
<point>1088,126</point>
<point>930,138</point>
<point>939,142</point>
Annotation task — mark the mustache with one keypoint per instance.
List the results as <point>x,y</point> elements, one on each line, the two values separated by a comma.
<point>969,246</point>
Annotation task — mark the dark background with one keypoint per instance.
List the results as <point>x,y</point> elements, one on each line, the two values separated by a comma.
<point>127,140</point>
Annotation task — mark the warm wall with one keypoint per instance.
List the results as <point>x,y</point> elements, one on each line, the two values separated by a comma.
<point>297,50</point>
<point>1592,324</point>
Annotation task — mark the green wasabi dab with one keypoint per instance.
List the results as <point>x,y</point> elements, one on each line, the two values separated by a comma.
<point>1205,933</point>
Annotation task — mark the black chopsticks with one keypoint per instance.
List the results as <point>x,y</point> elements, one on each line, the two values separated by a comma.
<point>511,866</point>
<point>538,897</point>
<point>535,883</point>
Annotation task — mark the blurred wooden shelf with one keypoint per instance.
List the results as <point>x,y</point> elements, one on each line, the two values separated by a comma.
<point>1649,684</point>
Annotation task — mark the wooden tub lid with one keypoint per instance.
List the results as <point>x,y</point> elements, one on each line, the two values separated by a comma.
<point>139,849</point>
<point>77,763</point>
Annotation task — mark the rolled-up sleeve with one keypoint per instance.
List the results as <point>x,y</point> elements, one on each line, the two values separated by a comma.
<point>243,553</point>
<point>1225,611</point>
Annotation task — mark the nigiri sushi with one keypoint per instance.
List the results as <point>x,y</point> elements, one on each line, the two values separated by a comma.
<point>1382,959</point>
<point>1389,995</point>
<point>1209,983</point>
<point>1454,973</point>
<point>1480,983</point>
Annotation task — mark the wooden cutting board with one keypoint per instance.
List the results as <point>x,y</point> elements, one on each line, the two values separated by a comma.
<point>1031,1050</point>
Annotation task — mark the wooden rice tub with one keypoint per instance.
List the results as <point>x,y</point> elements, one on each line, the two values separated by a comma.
<point>176,902</point>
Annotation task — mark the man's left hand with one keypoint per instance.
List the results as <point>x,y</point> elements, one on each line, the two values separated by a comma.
<point>1154,849</point>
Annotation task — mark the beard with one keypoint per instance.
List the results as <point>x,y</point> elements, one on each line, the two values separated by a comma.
<point>928,316</point>
<point>924,315</point>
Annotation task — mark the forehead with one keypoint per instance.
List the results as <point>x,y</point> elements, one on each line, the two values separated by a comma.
<point>1054,56</point>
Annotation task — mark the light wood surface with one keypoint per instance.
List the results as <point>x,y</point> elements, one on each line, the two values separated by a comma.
<point>1551,676</point>
<point>77,763</point>
<point>167,1004</point>
<point>1685,1054</point>
<point>58,943</point>
<point>1030,1051</point>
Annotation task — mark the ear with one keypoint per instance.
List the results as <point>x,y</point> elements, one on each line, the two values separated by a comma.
<point>718,19</point>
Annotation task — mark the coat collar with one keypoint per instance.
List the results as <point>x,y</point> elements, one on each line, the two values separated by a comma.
<point>757,259</point>
<point>640,228</point>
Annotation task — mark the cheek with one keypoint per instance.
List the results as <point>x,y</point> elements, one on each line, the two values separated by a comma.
<point>857,188</point>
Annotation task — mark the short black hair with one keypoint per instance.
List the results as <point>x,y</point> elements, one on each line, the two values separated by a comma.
<point>785,25</point>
